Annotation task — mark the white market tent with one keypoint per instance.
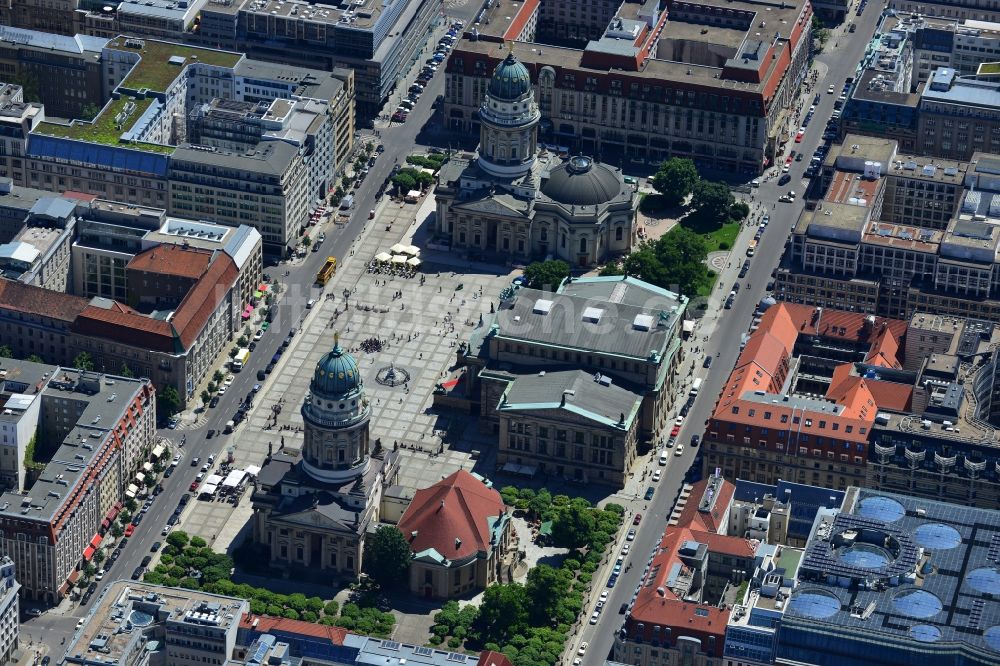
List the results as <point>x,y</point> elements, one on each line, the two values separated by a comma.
<point>411,250</point>
<point>399,259</point>
<point>253,470</point>
<point>413,261</point>
<point>213,479</point>
<point>383,257</point>
<point>234,478</point>
<point>208,489</point>
<point>397,248</point>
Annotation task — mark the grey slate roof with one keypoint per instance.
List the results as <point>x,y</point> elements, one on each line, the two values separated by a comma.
<point>563,326</point>
<point>584,395</point>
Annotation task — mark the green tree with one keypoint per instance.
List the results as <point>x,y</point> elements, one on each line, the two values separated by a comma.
<point>117,530</point>
<point>218,376</point>
<point>546,586</point>
<point>198,542</point>
<point>89,111</point>
<point>89,570</point>
<point>5,352</point>
<point>573,527</point>
<point>403,181</point>
<point>99,556</point>
<point>675,179</point>
<point>503,613</point>
<point>306,241</point>
<point>546,274</point>
<point>35,358</point>
<point>712,202</point>
<point>178,539</point>
<point>125,371</point>
<point>206,397</point>
<point>387,555</point>
<point>168,401</point>
<point>83,361</point>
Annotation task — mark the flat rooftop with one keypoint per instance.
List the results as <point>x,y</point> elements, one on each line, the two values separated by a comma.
<point>948,586</point>
<point>904,236</point>
<point>125,616</point>
<point>105,128</point>
<point>362,16</point>
<point>162,62</point>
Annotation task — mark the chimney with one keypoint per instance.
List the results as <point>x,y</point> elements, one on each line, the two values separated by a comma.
<point>458,543</point>
<point>442,505</point>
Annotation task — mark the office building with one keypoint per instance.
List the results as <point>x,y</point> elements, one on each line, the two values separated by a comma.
<point>959,116</point>
<point>795,407</point>
<point>895,580</point>
<point>313,508</point>
<point>613,339</point>
<point>56,16</point>
<point>700,81</point>
<point>929,251</point>
<point>782,513</point>
<point>515,200</point>
<point>137,147</point>
<point>10,615</point>
<point>459,532</point>
<point>39,254</point>
<point>976,10</point>
<point>140,624</point>
<point>963,45</point>
<point>61,72</point>
<point>96,430</point>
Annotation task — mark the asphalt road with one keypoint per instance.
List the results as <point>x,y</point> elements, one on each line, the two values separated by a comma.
<point>841,61</point>
<point>299,286</point>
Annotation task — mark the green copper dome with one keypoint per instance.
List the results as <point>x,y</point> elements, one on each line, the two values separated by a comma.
<point>510,81</point>
<point>336,374</point>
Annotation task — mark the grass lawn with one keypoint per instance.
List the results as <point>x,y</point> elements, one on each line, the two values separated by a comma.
<point>724,236</point>
<point>103,129</point>
<point>155,71</point>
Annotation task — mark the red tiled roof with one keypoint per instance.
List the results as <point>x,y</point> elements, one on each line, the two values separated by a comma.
<point>708,521</point>
<point>121,323</point>
<point>456,508</point>
<point>30,299</point>
<point>891,396</point>
<point>199,304</point>
<point>651,608</point>
<point>267,624</point>
<point>172,260</point>
<point>491,658</point>
<point>727,545</point>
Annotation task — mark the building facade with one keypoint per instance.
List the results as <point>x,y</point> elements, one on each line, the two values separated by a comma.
<point>459,533</point>
<point>512,200</point>
<point>640,89</point>
<point>313,509</point>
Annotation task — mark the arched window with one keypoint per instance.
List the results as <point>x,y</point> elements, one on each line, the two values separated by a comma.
<point>618,233</point>
<point>583,244</point>
<point>545,235</point>
<point>513,153</point>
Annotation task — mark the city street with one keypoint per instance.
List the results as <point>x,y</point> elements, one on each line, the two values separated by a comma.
<point>724,341</point>
<point>400,140</point>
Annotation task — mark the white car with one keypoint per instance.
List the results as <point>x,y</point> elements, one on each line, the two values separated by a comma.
<point>583,648</point>
<point>785,169</point>
<point>594,617</point>
<point>626,548</point>
<point>80,623</point>
<point>663,458</point>
<point>229,381</point>
<point>679,451</point>
<point>100,575</point>
<point>604,595</point>
<point>258,335</point>
<point>630,536</point>
<point>679,420</point>
<point>829,90</point>
<point>222,389</point>
<point>656,475</point>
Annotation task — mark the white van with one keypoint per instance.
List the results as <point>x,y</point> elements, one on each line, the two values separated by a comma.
<point>663,457</point>
<point>696,386</point>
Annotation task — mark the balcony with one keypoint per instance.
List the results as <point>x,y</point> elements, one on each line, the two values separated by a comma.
<point>944,460</point>
<point>885,450</point>
<point>975,466</point>
<point>915,457</point>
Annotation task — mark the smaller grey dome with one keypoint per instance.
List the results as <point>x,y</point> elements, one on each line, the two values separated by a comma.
<point>580,181</point>
<point>511,80</point>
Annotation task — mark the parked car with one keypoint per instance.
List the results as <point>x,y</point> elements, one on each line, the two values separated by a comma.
<point>155,547</point>
<point>214,402</point>
<point>707,363</point>
<point>650,491</point>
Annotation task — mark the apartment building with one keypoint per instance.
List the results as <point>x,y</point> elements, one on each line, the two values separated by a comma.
<point>58,16</point>
<point>190,627</point>
<point>98,428</point>
<point>976,10</point>
<point>699,81</point>
<point>39,254</point>
<point>961,45</point>
<point>161,19</point>
<point>623,329</point>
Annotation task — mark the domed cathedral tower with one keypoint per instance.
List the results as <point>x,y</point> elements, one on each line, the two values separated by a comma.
<point>508,134</point>
<point>336,417</point>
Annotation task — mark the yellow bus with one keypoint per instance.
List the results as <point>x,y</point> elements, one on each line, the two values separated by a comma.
<point>325,273</point>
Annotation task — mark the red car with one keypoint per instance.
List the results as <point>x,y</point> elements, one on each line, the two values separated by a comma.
<point>638,517</point>
<point>194,486</point>
<point>675,431</point>
<point>798,136</point>
<point>129,529</point>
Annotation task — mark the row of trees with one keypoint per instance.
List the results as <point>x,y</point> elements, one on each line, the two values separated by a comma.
<point>189,562</point>
<point>529,622</point>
